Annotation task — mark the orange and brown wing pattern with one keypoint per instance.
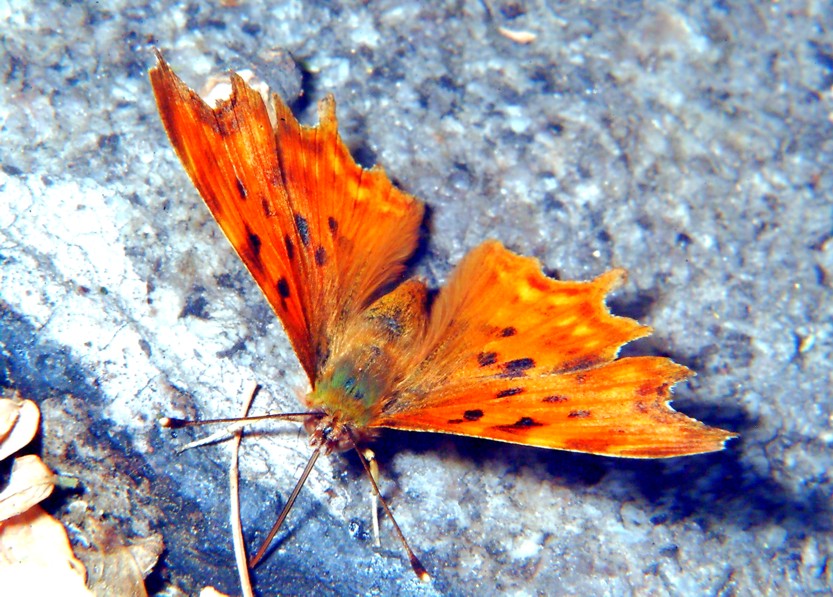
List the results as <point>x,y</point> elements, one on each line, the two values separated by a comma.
<point>358,229</point>
<point>514,356</point>
<point>319,234</point>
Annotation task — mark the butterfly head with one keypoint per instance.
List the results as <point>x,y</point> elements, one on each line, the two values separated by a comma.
<point>334,433</point>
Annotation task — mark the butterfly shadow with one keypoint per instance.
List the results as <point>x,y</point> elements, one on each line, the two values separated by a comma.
<point>313,549</point>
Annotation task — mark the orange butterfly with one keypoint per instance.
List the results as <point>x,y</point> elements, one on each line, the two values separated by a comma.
<point>504,352</point>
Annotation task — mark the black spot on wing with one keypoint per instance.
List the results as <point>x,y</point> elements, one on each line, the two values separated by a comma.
<point>520,425</point>
<point>253,245</point>
<point>579,364</point>
<point>266,206</point>
<point>508,331</point>
<point>509,392</point>
<point>290,247</point>
<point>473,415</point>
<point>526,422</point>
<point>517,367</point>
<point>485,359</point>
<point>333,224</point>
<point>320,256</point>
<point>283,288</point>
<point>241,189</point>
<point>555,399</point>
<point>303,228</point>
<point>579,414</point>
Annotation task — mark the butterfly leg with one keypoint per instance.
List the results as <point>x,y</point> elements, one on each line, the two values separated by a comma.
<point>374,496</point>
<point>416,565</point>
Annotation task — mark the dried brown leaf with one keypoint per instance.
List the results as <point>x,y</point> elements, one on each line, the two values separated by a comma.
<point>30,483</point>
<point>115,568</point>
<point>36,558</point>
<point>115,572</point>
<point>9,410</point>
<point>19,421</point>
<point>146,552</point>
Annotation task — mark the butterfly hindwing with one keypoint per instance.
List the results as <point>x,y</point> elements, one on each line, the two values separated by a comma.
<point>512,355</point>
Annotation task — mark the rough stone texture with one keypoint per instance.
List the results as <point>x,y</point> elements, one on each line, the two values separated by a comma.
<point>689,144</point>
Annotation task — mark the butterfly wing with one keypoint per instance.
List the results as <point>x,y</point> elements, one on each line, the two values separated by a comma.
<point>321,236</point>
<point>512,355</point>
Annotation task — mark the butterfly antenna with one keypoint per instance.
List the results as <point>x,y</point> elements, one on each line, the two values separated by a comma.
<point>172,423</point>
<point>417,566</point>
<point>287,507</point>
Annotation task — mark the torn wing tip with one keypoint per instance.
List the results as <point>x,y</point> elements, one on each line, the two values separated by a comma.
<point>612,279</point>
<point>327,110</point>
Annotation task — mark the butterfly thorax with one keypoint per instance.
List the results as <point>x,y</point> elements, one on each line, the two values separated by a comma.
<point>348,395</point>
<point>350,389</point>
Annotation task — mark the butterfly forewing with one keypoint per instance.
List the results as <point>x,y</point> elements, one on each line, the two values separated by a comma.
<point>357,230</point>
<point>321,236</point>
